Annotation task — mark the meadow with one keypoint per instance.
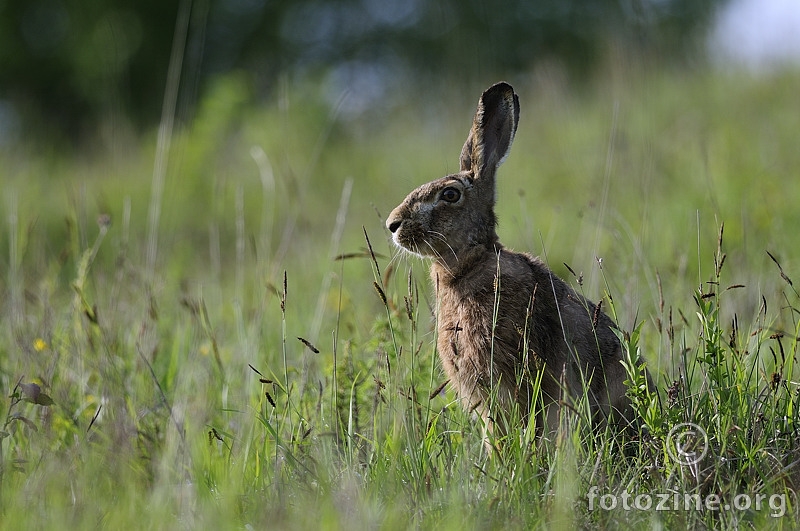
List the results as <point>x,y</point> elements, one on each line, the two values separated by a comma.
<point>215,331</point>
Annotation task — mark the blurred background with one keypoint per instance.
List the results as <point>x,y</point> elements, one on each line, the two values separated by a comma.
<point>75,72</point>
<point>187,186</point>
<point>230,140</point>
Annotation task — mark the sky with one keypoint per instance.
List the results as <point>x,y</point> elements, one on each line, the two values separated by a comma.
<point>760,35</point>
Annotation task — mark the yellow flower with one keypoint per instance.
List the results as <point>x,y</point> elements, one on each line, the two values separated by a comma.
<point>39,344</point>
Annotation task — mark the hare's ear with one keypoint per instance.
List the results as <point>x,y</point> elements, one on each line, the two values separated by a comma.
<point>492,132</point>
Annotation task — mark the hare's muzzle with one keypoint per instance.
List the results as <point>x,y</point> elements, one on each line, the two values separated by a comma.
<point>400,236</point>
<point>395,220</point>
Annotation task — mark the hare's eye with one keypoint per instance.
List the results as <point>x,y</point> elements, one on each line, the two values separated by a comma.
<point>451,195</point>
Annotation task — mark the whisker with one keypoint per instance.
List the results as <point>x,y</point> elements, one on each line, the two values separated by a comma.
<point>399,251</point>
<point>442,237</point>
<point>439,258</point>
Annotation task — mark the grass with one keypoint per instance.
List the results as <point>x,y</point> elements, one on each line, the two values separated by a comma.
<point>251,379</point>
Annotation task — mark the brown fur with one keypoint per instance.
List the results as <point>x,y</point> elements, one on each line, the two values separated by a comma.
<point>503,317</point>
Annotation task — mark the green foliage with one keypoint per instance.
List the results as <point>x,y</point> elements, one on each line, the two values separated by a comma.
<point>71,67</point>
<point>276,368</point>
<point>738,392</point>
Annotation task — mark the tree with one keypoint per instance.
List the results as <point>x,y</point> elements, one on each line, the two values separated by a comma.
<point>67,65</point>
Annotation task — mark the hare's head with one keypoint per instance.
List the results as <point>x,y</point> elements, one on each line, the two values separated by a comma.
<point>446,217</point>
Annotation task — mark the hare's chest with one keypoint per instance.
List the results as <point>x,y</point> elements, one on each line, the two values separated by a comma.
<point>464,327</point>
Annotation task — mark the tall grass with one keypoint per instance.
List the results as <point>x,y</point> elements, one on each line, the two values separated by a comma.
<point>278,370</point>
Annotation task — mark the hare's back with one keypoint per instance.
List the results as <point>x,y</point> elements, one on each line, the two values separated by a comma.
<point>581,323</point>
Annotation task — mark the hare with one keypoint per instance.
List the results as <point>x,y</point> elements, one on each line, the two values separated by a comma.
<point>503,318</point>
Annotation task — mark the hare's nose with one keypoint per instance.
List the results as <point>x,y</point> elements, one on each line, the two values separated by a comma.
<point>394,225</point>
